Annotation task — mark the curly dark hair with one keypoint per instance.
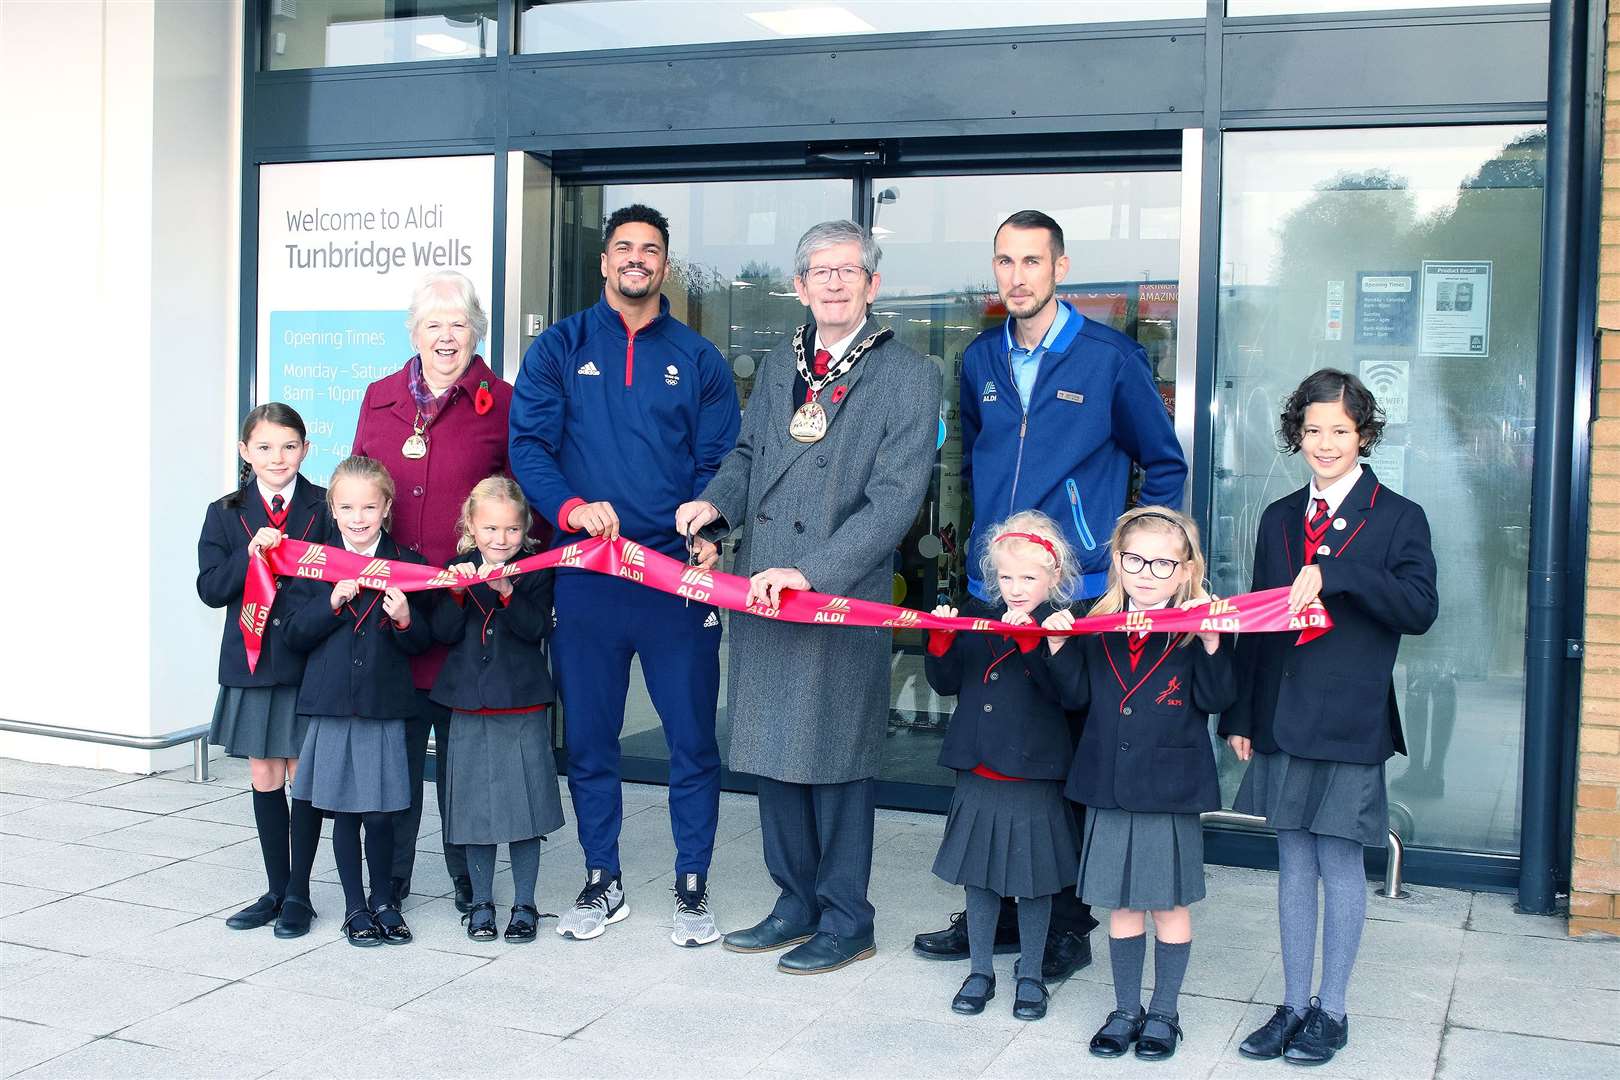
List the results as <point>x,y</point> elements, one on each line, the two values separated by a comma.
<point>1321,387</point>
<point>635,212</point>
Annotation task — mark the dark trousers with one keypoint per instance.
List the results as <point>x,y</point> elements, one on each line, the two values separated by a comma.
<point>601,623</point>
<point>408,823</point>
<point>818,848</point>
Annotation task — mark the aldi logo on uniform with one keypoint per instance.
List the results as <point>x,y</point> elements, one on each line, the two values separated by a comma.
<point>989,393</point>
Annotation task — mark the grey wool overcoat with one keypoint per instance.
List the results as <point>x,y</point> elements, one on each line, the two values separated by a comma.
<point>809,704</point>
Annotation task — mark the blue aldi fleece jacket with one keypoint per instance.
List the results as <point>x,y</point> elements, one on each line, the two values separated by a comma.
<point>641,421</point>
<point>1068,451</point>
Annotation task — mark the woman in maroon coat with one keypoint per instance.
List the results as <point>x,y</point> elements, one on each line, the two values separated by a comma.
<point>439,425</point>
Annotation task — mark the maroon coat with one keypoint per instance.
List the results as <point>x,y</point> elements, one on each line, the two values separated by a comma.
<point>463,448</point>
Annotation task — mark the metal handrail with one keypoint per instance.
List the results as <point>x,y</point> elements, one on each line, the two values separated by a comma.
<point>198,736</point>
<point>1394,863</point>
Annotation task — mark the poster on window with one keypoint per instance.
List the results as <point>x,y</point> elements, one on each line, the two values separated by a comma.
<point>342,246</point>
<point>1456,317</point>
<point>1385,306</point>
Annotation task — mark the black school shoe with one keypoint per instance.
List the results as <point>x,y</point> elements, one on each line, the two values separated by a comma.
<point>1066,953</point>
<point>294,918</point>
<point>523,924</point>
<point>392,924</point>
<point>361,929</point>
<point>481,922</point>
<point>951,943</point>
<point>973,1004</point>
<point>464,900</point>
<point>1159,1036</point>
<point>1117,1033</point>
<point>1320,1036</point>
<point>1270,1039</point>
<point>1030,1008</point>
<point>262,912</point>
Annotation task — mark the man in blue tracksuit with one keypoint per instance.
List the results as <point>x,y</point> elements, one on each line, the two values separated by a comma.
<point>621,414</point>
<point>1056,409</point>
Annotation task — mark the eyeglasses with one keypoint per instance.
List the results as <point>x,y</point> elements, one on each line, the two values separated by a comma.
<point>820,275</point>
<point>1132,563</point>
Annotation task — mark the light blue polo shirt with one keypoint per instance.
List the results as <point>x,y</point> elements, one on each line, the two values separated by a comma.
<point>1026,363</point>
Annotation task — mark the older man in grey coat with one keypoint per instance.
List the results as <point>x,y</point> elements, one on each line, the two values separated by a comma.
<point>835,456</point>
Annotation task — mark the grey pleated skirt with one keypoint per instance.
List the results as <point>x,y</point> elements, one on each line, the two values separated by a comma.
<point>502,781</point>
<point>1329,798</point>
<point>1013,837</point>
<point>1141,862</point>
<point>353,765</point>
<point>258,722</point>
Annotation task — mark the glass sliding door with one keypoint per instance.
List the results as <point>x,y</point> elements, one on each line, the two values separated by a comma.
<point>1412,258</point>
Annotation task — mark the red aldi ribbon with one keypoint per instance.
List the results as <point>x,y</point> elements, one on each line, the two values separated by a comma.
<point>1259,612</point>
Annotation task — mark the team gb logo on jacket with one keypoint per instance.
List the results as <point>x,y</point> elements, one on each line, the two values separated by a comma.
<point>672,375</point>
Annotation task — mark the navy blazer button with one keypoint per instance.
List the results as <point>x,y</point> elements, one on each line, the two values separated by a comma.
<point>821,461</point>
<point>1124,746</point>
<point>989,708</point>
<point>357,661</point>
<point>1126,710</point>
<point>275,622</point>
<point>994,675</point>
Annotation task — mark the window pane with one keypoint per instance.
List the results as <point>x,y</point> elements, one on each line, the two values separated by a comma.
<point>730,279</point>
<point>1240,8</point>
<point>581,25</point>
<point>1412,258</point>
<point>338,33</point>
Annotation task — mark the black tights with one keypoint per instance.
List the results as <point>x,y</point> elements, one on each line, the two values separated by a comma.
<point>379,858</point>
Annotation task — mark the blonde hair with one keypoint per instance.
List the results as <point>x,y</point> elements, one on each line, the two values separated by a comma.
<point>1060,559</point>
<point>498,488</point>
<point>361,468</point>
<point>1166,522</point>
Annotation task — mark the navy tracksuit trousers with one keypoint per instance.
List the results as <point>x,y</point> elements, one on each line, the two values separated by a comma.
<point>601,623</point>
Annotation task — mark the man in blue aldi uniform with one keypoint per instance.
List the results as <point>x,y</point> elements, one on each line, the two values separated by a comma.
<point>1056,410</point>
<point>621,414</point>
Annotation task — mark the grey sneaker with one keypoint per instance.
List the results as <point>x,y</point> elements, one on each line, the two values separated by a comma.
<point>694,925</point>
<point>600,902</point>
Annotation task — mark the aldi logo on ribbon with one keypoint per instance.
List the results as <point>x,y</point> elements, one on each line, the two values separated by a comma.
<point>695,584</point>
<point>1137,622</point>
<point>631,556</point>
<point>835,610</point>
<point>254,616</point>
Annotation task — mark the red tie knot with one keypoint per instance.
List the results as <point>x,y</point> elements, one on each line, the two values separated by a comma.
<point>823,359</point>
<point>276,503</point>
<point>1321,507</point>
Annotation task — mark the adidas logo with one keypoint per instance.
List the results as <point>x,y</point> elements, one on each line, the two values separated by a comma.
<point>712,621</point>
<point>589,368</point>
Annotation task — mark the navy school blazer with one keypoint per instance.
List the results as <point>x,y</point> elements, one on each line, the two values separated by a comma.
<point>1333,699</point>
<point>1145,747</point>
<point>497,656</point>
<point>359,662</point>
<point>1010,712</point>
<point>222,562</point>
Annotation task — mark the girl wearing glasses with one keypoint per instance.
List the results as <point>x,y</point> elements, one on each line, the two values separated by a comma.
<point>1145,767</point>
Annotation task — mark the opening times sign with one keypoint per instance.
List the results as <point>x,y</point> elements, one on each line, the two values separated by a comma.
<point>342,247</point>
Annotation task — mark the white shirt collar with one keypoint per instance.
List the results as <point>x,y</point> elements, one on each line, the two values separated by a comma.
<point>838,348</point>
<point>1335,493</point>
<point>286,493</point>
<point>370,551</point>
<point>1132,605</point>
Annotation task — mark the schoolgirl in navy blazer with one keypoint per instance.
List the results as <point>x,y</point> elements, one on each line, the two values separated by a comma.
<point>497,654</point>
<point>1145,745</point>
<point>358,659</point>
<point>222,560</point>
<point>1333,698</point>
<point>1010,712</point>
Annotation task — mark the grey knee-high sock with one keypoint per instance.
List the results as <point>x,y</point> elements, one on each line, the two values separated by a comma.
<point>1344,912</point>
<point>1034,917</point>
<point>1169,968</point>
<point>1125,956</point>
<point>983,908</point>
<point>481,869</point>
<point>525,869</point>
<point>1296,914</point>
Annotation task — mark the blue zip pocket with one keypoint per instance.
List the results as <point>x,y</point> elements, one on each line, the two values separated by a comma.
<point>1087,541</point>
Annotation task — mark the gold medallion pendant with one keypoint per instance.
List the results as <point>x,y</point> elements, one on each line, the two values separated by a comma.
<point>415,447</point>
<point>809,423</point>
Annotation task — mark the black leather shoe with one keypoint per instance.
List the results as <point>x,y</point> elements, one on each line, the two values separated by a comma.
<point>1026,1007</point>
<point>463,894</point>
<point>480,922</point>
<point>1157,1042</point>
<point>261,912</point>
<point>402,888</point>
<point>769,934</point>
<point>392,924</point>
<point>362,930</point>
<point>1066,953</point>
<point>294,918</point>
<point>523,924</point>
<point>1320,1036</point>
<point>951,943</point>
<point>1117,1033</point>
<point>973,1004</point>
<point>826,952</point>
<point>1270,1039</point>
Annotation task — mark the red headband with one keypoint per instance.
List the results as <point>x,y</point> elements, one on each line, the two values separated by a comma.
<point>1040,541</point>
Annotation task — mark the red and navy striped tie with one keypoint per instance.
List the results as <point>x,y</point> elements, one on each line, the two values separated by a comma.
<point>1316,530</point>
<point>1138,643</point>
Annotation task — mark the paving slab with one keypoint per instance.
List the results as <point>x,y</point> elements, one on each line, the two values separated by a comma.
<point>1496,1055</point>
<point>86,925</point>
<point>23,1045</point>
<point>69,868</point>
<point>97,996</point>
